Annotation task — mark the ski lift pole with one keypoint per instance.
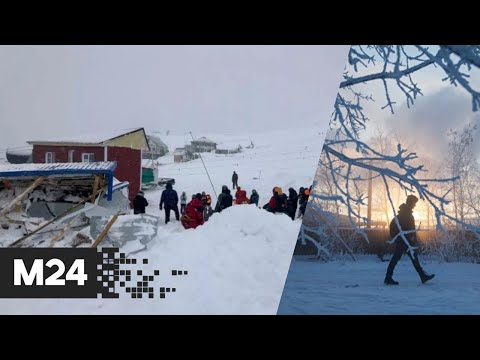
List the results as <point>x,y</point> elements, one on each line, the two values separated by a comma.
<point>213,188</point>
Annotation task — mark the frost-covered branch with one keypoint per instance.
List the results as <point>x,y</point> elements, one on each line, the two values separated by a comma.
<point>347,159</point>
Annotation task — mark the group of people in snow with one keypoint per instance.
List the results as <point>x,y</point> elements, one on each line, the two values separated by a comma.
<point>281,203</point>
<point>195,212</point>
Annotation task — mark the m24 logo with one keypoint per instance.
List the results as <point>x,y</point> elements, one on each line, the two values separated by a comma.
<point>36,274</point>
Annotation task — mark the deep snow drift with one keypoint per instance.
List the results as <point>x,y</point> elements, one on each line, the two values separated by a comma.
<point>237,264</point>
<point>347,287</point>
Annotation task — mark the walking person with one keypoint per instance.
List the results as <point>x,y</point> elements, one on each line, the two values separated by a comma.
<point>183,202</point>
<point>169,200</point>
<point>235,180</point>
<point>407,223</point>
<point>139,203</point>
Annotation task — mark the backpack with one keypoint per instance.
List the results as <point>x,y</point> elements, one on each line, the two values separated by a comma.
<point>393,228</point>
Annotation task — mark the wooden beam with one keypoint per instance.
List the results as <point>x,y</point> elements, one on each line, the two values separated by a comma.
<point>23,195</point>
<point>104,232</point>
<point>61,234</point>
<point>95,187</point>
<point>15,243</point>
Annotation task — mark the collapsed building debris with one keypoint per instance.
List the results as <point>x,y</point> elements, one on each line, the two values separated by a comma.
<point>60,197</point>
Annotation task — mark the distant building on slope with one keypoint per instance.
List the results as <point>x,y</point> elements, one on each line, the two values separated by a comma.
<point>157,148</point>
<point>201,145</point>
<point>124,147</point>
<point>182,155</point>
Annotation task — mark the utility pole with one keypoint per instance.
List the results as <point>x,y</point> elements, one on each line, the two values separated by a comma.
<point>213,188</point>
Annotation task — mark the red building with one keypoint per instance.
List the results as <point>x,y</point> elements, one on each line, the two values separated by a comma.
<point>124,147</point>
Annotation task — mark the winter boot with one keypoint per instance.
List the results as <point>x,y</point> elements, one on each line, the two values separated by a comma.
<point>389,281</point>
<point>425,277</point>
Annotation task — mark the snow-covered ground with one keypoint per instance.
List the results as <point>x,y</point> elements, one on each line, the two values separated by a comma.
<point>285,158</point>
<point>238,260</point>
<point>347,287</point>
<point>237,264</point>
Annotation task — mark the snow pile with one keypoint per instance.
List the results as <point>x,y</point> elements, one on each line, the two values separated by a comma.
<point>237,264</point>
<point>347,287</point>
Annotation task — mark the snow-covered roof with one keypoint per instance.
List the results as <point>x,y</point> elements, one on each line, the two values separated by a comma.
<point>11,170</point>
<point>205,140</point>
<point>155,141</point>
<point>23,151</point>
<point>179,151</point>
<point>96,138</point>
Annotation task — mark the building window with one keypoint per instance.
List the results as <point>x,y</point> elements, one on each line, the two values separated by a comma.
<point>49,157</point>
<point>87,157</point>
<point>70,155</point>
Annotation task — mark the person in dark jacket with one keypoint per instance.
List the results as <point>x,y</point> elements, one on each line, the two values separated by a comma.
<point>407,223</point>
<point>303,200</point>
<point>254,198</point>
<point>234,180</point>
<point>169,200</point>
<point>282,201</point>
<point>292,203</point>
<point>225,200</point>
<point>139,203</point>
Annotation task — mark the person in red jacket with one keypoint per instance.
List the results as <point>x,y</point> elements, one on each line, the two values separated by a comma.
<point>241,196</point>
<point>193,213</point>
<point>278,202</point>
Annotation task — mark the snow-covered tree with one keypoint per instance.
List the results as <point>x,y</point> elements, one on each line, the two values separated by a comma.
<point>347,160</point>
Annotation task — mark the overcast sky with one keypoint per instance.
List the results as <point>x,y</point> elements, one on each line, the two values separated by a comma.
<point>50,91</point>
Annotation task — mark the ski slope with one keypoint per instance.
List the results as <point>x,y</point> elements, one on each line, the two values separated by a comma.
<point>347,287</point>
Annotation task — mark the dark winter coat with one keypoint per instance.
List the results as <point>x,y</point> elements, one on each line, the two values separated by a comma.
<point>254,198</point>
<point>292,202</point>
<point>139,204</point>
<point>277,203</point>
<point>407,222</point>
<point>169,198</point>
<point>292,199</point>
<point>282,202</point>
<point>235,178</point>
<point>225,200</point>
